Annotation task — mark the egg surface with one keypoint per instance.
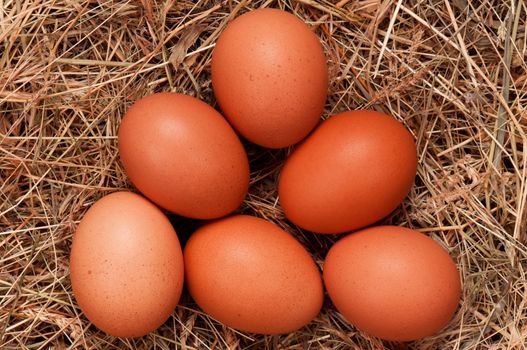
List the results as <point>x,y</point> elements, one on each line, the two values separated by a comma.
<point>126,265</point>
<point>392,282</point>
<point>270,77</point>
<point>183,155</point>
<point>352,171</point>
<point>251,275</point>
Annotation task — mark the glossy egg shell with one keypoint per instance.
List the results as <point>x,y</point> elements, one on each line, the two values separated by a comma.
<point>270,77</point>
<point>183,155</point>
<point>392,282</point>
<point>251,275</point>
<point>126,265</point>
<point>352,171</point>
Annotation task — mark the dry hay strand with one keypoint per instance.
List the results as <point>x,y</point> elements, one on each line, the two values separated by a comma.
<point>454,72</point>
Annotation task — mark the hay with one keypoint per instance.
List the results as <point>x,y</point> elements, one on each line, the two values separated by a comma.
<point>454,72</point>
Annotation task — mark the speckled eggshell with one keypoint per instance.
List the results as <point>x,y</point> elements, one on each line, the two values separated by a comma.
<point>270,77</point>
<point>126,265</point>
<point>251,275</point>
<point>392,282</point>
<point>183,155</point>
<point>352,171</point>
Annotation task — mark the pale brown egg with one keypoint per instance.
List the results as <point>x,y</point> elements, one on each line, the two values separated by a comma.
<point>126,265</point>
<point>270,77</point>
<point>392,282</point>
<point>184,156</point>
<point>352,171</point>
<point>251,275</point>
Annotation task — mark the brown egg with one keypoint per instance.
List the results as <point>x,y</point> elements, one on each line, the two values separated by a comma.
<point>270,77</point>
<point>183,155</point>
<point>352,171</point>
<point>126,265</point>
<point>392,282</point>
<point>251,275</point>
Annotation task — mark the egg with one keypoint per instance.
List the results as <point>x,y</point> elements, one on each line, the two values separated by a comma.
<point>183,155</point>
<point>126,265</point>
<point>251,275</point>
<point>270,77</point>
<point>392,282</point>
<point>352,171</point>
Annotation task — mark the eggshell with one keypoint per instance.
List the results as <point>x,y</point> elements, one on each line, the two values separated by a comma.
<point>352,171</point>
<point>270,77</point>
<point>183,155</point>
<point>253,276</point>
<point>126,265</point>
<point>392,282</point>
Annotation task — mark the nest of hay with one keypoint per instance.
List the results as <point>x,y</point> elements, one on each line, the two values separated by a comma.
<point>454,72</point>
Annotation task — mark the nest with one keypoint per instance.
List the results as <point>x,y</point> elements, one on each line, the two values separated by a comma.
<point>454,72</point>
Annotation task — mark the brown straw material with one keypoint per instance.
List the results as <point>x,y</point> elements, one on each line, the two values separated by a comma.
<point>453,71</point>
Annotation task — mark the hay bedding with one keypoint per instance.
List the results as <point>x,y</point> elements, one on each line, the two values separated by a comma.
<point>454,72</point>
